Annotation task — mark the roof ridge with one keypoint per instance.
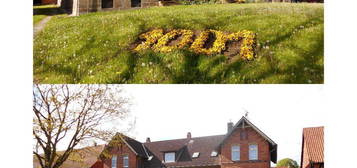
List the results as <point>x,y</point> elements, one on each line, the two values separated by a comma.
<point>313,127</point>
<point>184,138</point>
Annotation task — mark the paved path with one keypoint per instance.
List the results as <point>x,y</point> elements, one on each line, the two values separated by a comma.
<point>39,26</point>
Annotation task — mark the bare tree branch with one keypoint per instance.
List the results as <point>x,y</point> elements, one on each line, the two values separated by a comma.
<point>73,113</point>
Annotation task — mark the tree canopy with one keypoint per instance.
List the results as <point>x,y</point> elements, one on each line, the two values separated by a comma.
<point>288,163</point>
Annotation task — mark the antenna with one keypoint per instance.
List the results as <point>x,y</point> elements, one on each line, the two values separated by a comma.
<point>246,113</point>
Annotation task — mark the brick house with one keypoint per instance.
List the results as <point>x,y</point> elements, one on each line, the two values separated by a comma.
<point>312,152</point>
<point>44,2</point>
<point>243,146</point>
<point>77,7</point>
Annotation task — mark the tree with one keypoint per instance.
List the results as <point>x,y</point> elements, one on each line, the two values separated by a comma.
<point>288,163</point>
<point>71,114</point>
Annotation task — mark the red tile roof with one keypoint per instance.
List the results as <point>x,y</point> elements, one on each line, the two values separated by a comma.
<point>186,147</point>
<point>313,138</point>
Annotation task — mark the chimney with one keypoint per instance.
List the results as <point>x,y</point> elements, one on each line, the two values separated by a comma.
<point>189,135</point>
<point>229,127</point>
<point>148,140</point>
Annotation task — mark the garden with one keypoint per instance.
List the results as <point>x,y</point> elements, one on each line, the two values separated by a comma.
<point>206,43</point>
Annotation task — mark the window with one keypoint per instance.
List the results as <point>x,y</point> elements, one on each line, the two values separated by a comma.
<point>235,153</point>
<point>195,155</point>
<point>126,161</point>
<point>214,153</point>
<point>170,157</point>
<point>114,161</point>
<point>253,152</point>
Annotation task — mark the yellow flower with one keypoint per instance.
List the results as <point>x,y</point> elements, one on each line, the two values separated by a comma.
<point>158,41</point>
<point>218,45</point>
<point>161,45</point>
<point>149,39</point>
<point>248,42</point>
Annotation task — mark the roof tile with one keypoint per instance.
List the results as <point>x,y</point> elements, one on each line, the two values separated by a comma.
<point>314,141</point>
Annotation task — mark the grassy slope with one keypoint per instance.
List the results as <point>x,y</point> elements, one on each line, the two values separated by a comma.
<point>92,48</point>
<point>38,18</point>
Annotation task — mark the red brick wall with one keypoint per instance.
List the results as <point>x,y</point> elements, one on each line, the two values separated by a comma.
<point>252,138</point>
<point>97,164</point>
<point>120,152</point>
<point>45,2</point>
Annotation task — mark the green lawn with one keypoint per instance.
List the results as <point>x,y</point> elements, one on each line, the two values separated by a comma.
<point>93,48</point>
<point>38,18</point>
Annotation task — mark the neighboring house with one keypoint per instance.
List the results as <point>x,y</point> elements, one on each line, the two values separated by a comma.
<point>80,158</point>
<point>243,146</point>
<point>312,155</point>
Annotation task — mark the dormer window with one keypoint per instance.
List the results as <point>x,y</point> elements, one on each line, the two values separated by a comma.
<point>235,152</point>
<point>169,157</point>
<point>214,154</point>
<point>253,152</point>
<point>195,155</point>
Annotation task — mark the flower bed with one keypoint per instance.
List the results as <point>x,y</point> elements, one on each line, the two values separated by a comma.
<point>159,41</point>
<point>149,38</point>
<point>162,44</point>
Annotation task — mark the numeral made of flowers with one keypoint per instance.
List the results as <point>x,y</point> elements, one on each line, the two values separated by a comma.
<point>149,38</point>
<point>217,47</point>
<point>158,41</point>
<point>162,43</point>
<point>248,42</point>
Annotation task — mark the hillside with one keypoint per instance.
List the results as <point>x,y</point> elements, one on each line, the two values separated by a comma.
<point>94,48</point>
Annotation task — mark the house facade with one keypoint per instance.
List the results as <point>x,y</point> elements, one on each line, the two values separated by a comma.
<point>77,7</point>
<point>312,152</point>
<point>243,146</point>
<point>44,2</point>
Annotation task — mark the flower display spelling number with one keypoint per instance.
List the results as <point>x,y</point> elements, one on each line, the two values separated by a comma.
<point>162,43</point>
<point>218,44</point>
<point>248,42</point>
<point>149,38</point>
<point>158,41</point>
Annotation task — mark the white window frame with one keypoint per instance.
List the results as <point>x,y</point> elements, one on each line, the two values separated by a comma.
<point>172,154</point>
<point>115,165</point>
<point>125,157</point>
<point>235,149</point>
<point>251,157</point>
